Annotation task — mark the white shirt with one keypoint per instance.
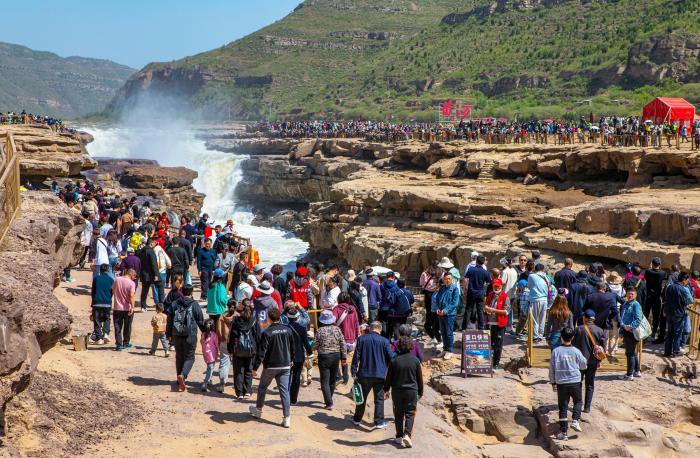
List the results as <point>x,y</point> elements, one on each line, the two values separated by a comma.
<point>510,278</point>
<point>244,291</point>
<point>163,259</point>
<point>102,253</point>
<point>106,228</point>
<point>330,298</point>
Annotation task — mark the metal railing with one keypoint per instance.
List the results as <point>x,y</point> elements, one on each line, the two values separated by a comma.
<point>9,183</point>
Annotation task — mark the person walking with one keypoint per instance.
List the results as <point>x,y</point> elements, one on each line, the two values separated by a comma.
<point>587,337</point>
<point>558,318</point>
<point>217,299</point>
<point>302,348</point>
<point>565,368</point>
<point>159,321</point>
<point>445,306</point>
<point>369,366</point>
<point>676,299</point>
<point>150,274</point>
<point>630,319</point>
<point>164,265</point>
<point>185,318</point>
<point>101,305</point>
<point>430,283</point>
<point>243,345</point>
<point>405,378</point>
<point>124,292</point>
<point>275,353</point>
<point>330,345</point>
<point>206,258</point>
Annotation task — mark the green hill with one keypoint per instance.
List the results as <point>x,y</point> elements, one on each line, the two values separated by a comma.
<point>349,58</point>
<point>44,83</point>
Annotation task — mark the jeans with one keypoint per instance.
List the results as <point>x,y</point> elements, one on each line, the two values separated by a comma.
<point>122,327</point>
<point>497,334</point>
<point>446,329</point>
<point>431,326</point>
<point>474,305</point>
<point>376,386</point>
<point>328,365</point>
<point>392,326</point>
<point>242,375</point>
<point>84,257</point>
<point>224,363</point>
<point>564,392</point>
<point>674,332</point>
<point>159,289</point>
<point>295,381</point>
<point>539,316</point>
<point>163,341</point>
<point>630,351</point>
<point>209,374</point>
<point>205,280</point>
<point>588,379</point>
<point>405,403</point>
<point>281,376</point>
<point>100,322</point>
<point>184,354</point>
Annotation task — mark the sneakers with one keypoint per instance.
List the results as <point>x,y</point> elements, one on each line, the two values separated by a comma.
<point>100,342</point>
<point>576,426</point>
<point>118,348</point>
<point>151,352</point>
<point>406,441</point>
<point>220,388</point>
<point>442,354</point>
<point>329,407</point>
<point>447,356</point>
<point>381,425</point>
<point>286,422</point>
<point>627,378</point>
<point>562,437</point>
<point>304,384</point>
<point>166,353</point>
<point>91,341</point>
<point>439,345</point>
<point>433,341</point>
<point>398,440</point>
<point>247,395</point>
<point>356,423</point>
<point>129,345</point>
<point>205,388</point>
<point>254,411</point>
<point>181,383</point>
<point>107,339</point>
<point>638,374</point>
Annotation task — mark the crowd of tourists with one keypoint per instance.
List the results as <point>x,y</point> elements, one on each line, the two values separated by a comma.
<point>258,320</point>
<point>610,130</point>
<point>23,117</point>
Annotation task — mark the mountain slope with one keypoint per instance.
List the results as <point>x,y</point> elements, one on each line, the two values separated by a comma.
<point>44,83</point>
<point>348,58</point>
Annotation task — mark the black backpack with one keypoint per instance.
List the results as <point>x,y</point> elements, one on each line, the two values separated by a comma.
<point>182,321</point>
<point>245,347</point>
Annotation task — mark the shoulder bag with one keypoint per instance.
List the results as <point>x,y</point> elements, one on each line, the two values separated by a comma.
<point>598,351</point>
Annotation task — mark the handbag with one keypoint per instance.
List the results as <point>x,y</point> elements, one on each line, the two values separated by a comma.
<point>357,393</point>
<point>642,331</point>
<point>598,351</point>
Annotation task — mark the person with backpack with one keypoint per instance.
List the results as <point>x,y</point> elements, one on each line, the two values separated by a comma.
<point>242,345</point>
<point>394,306</point>
<point>302,348</point>
<point>184,318</point>
<point>589,339</point>
<point>276,354</point>
<point>150,273</point>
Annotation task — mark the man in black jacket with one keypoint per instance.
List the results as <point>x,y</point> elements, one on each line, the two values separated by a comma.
<point>275,353</point>
<point>578,292</point>
<point>566,276</point>
<point>184,318</point>
<point>604,304</point>
<point>150,273</point>
<point>655,279</point>
<point>301,349</point>
<point>178,258</point>
<point>584,342</point>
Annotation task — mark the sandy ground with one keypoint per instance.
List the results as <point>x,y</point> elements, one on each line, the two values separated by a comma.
<point>201,424</point>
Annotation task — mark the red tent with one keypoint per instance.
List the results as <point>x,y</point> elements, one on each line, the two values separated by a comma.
<point>669,109</point>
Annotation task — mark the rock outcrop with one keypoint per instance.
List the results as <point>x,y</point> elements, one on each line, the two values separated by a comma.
<point>403,204</point>
<point>168,187</point>
<point>41,242</point>
<point>46,154</point>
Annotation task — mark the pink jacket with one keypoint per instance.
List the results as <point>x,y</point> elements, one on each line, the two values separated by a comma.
<point>350,327</point>
<point>210,346</point>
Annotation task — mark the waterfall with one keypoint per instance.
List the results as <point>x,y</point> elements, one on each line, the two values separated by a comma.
<point>219,173</point>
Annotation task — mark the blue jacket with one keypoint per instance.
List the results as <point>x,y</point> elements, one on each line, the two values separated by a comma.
<point>373,354</point>
<point>102,290</point>
<point>206,259</point>
<point>447,300</point>
<point>631,314</point>
<point>374,293</point>
<point>676,299</point>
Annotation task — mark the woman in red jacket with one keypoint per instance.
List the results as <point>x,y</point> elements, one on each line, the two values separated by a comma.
<point>496,311</point>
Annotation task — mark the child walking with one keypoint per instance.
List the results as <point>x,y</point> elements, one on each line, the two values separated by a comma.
<point>406,378</point>
<point>210,351</point>
<point>565,368</point>
<point>158,322</point>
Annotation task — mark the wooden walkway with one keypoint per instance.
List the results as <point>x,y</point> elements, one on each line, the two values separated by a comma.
<point>539,356</point>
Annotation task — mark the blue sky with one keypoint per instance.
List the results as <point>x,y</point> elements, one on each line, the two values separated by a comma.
<point>135,32</point>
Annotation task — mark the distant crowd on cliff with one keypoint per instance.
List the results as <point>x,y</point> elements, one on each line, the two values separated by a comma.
<point>610,130</point>
<point>23,117</point>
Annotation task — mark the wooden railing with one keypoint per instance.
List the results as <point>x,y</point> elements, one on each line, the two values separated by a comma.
<point>9,183</point>
<point>694,341</point>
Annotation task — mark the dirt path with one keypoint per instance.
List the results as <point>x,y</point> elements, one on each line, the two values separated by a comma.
<point>201,424</point>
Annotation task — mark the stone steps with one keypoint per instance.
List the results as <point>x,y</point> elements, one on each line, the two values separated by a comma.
<point>486,173</point>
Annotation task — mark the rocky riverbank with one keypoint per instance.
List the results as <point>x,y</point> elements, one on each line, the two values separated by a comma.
<point>403,204</point>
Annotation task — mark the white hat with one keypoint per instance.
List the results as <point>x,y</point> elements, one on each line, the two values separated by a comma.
<point>475,254</point>
<point>351,275</point>
<point>251,278</point>
<point>327,317</point>
<point>445,263</point>
<point>265,287</point>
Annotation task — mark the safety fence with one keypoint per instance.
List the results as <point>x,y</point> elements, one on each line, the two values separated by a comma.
<point>694,340</point>
<point>9,183</point>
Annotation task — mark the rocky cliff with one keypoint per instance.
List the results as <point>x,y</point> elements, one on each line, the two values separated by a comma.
<point>403,204</point>
<point>46,154</point>
<point>41,242</point>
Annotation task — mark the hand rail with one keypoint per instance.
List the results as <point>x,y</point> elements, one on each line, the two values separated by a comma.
<point>694,341</point>
<point>9,183</point>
